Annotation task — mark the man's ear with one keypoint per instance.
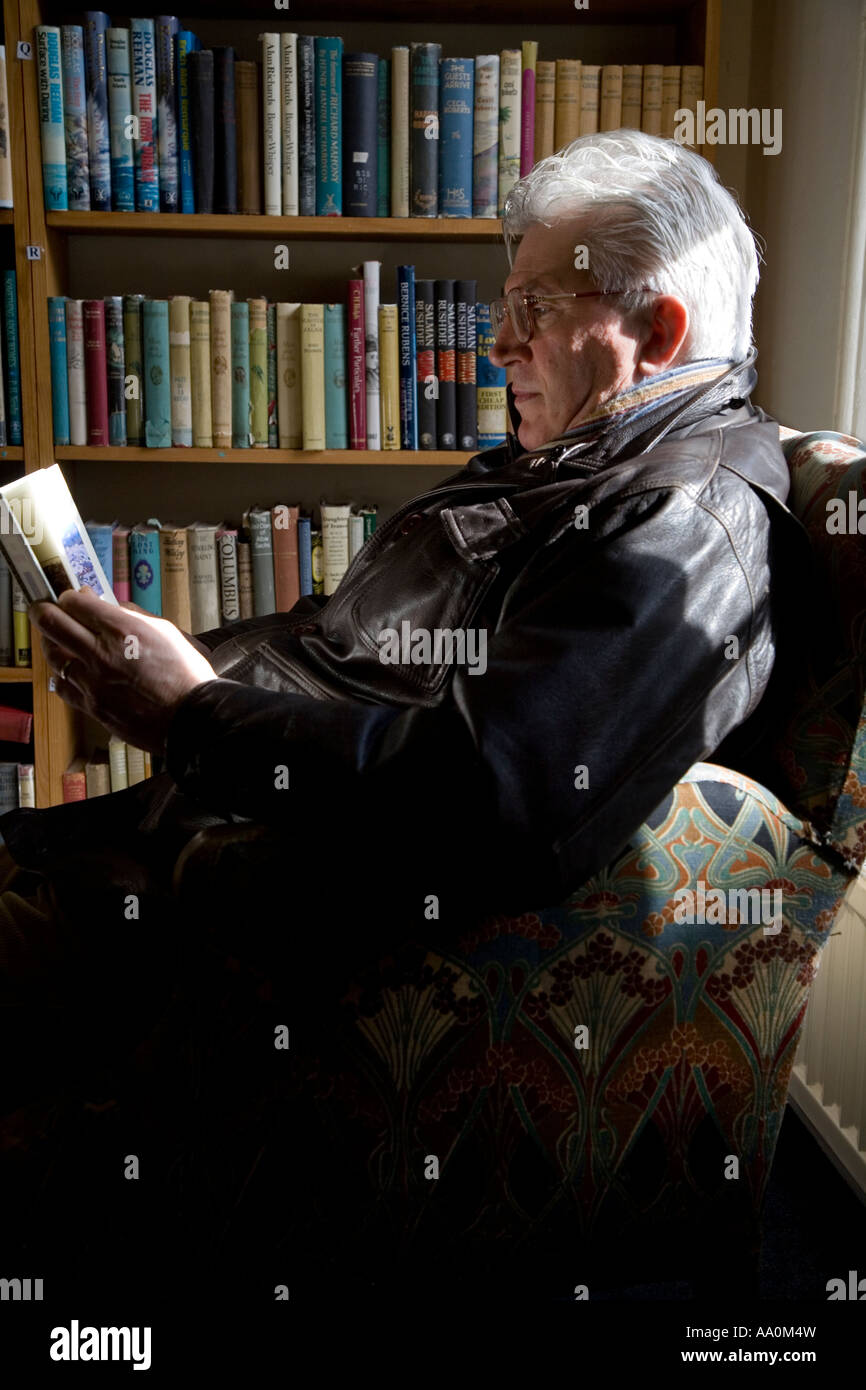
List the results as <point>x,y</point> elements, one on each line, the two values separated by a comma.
<point>663,335</point>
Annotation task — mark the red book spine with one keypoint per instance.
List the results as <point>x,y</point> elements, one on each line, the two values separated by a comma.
<point>357,368</point>
<point>15,724</point>
<point>95,371</point>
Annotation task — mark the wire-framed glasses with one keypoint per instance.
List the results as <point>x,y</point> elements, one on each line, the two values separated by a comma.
<point>521,308</point>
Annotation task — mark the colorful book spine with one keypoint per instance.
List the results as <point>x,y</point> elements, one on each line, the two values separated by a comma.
<point>446,364</point>
<point>227,557</point>
<point>372,270</point>
<point>59,368</point>
<point>271,122</point>
<point>115,369</point>
<point>425,334</point>
<point>307,125</point>
<point>258,311</point>
<point>329,127</point>
<point>120,109</point>
<point>424,101</point>
<point>400,131</point>
<point>186,44</point>
<point>12,358</point>
<point>457,79</point>
<point>313,374</point>
<point>200,374</point>
<point>289,88</point>
<point>96,372</point>
<point>527,107</point>
<point>467,350</point>
<point>226,146</point>
<point>96,22</point>
<point>165,36</point>
<point>357,384</point>
<point>221,360</point>
<point>305,559</point>
<point>336,433</point>
<point>360,134</point>
<point>181,370</point>
<point>289,393</point>
<point>77,378</point>
<point>157,373</point>
<point>485,159</point>
<point>240,343</point>
<point>144,566</point>
<point>389,375</point>
<point>75,117</point>
<point>383,143</point>
<point>134,367</point>
<point>121,579</point>
<point>145,110</point>
<point>490,385</point>
<point>408,351</point>
<point>317,562</point>
<point>510,82</point>
<point>51,126</point>
<point>273,427</point>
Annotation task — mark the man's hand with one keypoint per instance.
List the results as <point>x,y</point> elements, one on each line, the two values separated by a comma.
<point>128,669</point>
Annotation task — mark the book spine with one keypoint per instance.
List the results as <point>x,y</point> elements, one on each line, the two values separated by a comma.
<point>174,577</point>
<point>383,142</point>
<point>271,123</point>
<point>12,357</point>
<point>249,168</point>
<point>369,515</point>
<point>77,379</point>
<point>360,134</point>
<point>400,131</point>
<point>446,366</point>
<point>651,104</point>
<point>356,534</point>
<point>227,556</point>
<point>75,117</point>
<point>204,587</point>
<point>21,625</point>
<point>529,61</point>
<point>284,538</point>
<point>389,375</point>
<point>181,370</point>
<point>510,81</point>
<point>185,45</point>
<point>120,109</point>
<point>632,83</point>
<point>590,94</point>
<point>329,128</point>
<point>317,562</point>
<point>245,573</point>
<point>143,47</point>
<point>116,369</point>
<point>691,90</point>
<point>671,74</point>
<point>101,535</point>
<point>59,371</point>
<point>273,427</point>
<point>157,373</point>
<point>226,136</point>
<point>566,111</point>
<point>51,127</point>
<point>336,433</point>
<point>307,125</point>
<point>3,425</point>
<point>7,646</point>
<point>545,104</point>
<point>201,121</point>
<point>258,311</point>
<point>491,385</point>
<point>408,351</point>
<point>467,350</point>
<point>457,78</point>
<point>305,559</point>
<point>144,564</point>
<point>134,367</point>
<point>262,556</point>
<point>121,580</point>
<point>610,109</point>
<point>240,346</point>
<point>221,357</point>
<point>289,397</point>
<point>357,384</point>
<point>485,159</point>
<point>165,33</point>
<point>6,199</point>
<point>289,86</point>
<point>313,374</point>
<point>96,23</point>
<point>372,270</point>
<point>424,96</point>
<point>200,374</point>
<point>335,543</point>
<point>95,369</point>
<point>425,333</point>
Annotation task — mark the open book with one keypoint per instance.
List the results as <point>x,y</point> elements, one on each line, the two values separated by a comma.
<point>44,539</point>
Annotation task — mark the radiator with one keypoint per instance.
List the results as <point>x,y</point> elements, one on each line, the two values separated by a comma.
<point>828,1082</point>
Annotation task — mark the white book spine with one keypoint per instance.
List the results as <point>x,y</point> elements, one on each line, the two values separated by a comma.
<point>271,123</point>
<point>356,535</point>
<point>289,409</point>
<point>485,136</point>
<point>227,554</point>
<point>134,765</point>
<point>75,371</point>
<point>510,83</point>
<point>204,589</point>
<point>117,764</point>
<point>289,87</point>
<point>180,367</point>
<point>26,785</point>
<point>371,351</point>
<point>335,543</point>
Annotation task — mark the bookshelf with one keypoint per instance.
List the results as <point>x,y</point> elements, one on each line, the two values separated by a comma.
<point>97,254</point>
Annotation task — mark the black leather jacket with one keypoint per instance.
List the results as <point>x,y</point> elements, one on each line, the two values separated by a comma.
<point>619,651</point>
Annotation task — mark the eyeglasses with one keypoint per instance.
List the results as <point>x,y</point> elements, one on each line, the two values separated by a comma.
<point>521,308</point>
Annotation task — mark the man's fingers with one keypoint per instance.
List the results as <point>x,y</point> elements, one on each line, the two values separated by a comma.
<point>78,638</point>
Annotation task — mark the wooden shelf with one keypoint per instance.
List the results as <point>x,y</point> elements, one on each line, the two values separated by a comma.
<point>12,451</point>
<point>429,458</point>
<point>7,217</point>
<point>16,673</point>
<point>483,229</point>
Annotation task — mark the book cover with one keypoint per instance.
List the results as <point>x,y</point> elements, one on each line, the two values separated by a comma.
<point>317,562</point>
<point>26,784</point>
<point>408,350</point>
<point>166,31</point>
<point>485,157</point>
<point>77,378</point>
<point>157,373</point>
<point>371,271</point>
<point>134,368</point>
<point>11,357</point>
<point>466,348</point>
<point>96,22</point>
<point>118,772</point>
<point>51,127</point>
<point>490,386</point>
<point>510,83</point>
<point>258,311</point>
<point>181,370</point>
<point>249,161</point>
<point>446,363</point>
<point>425,333</point>
<point>59,373</point>
<point>284,538</point>
<point>144,561</point>
<point>119,79</point>
<point>360,134</point>
<point>200,374</point>
<point>262,559</point>
<point>389,376</point>
<point>357,383</point>
<point>356,534</point>
<point>336,430</point>
<point>424,147</point>
<point>272,122</point>
<point>400,131</point>
<point>221,361</point>
<point>313,374</point>
<point>74,118</point>
<point>115,368</point>
<point>289,87</point>
<point>529,62</point>
<point>456,96</point>
<point>329,127</point>
<point>245,570</point>
<point>143,49</point>
<point>16,725</point>
<point>95,372</point>
<point>383,142</point>
<point>44,539</point>
<point>73,781</point>
<point>307,139</point>
<point>289,396</point>
<point>201,126</point>
<point>225,196</point>
<point>240,346</point>
<point>186,44</point>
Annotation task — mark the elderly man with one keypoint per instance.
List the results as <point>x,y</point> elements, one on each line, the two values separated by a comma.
<point>620,556</point>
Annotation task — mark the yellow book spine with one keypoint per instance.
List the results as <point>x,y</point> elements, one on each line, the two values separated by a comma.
<point>174,576</point>
<point>221,361</point>
<point>313,374</point>
<point>289,412</point>
<point>545,99</point>
<point>179,360</point>
<point>691,89</point>
<point>566,114</point>
<point>259,372</point>
<point>671,75</point>
<point>200,374</point>
<point>632,86</point>
<point>610,115</point>
<point>389,376</point>
<point>590,91</point>
<point>651,107</point>
<point>20,625</point>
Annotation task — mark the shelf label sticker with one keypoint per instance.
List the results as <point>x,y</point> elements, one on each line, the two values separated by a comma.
<point>24,49</point>
<point>34,253</point>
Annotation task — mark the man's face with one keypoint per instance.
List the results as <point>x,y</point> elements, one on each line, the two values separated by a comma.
<point>581,352</point>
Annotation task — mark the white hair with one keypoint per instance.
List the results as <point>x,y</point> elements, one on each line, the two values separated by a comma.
<point>653,213</point>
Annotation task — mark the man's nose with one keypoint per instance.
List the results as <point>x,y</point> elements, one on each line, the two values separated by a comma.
<point>506,349</point>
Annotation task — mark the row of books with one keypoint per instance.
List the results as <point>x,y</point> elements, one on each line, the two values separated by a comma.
<point>241,373</point>
<point>10,361</point>
<point>14,623</point>
<point>107,769</point>
<point>6,199</point>
<point>17,787</point>
<point>145,119</point>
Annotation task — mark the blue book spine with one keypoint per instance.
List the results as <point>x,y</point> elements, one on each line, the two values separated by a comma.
<point>96,66</point>
<point>144,571</point>
<point>307,125</point>
<point>144,108</point>
<point>75,116</point>
<point>240,312</point>
<point>383,160</point>
<point>336,398</point>
<point>273,424</point>
<point>51,128</point>
<point>157,373</point>
<point>360,133</point>
<point>408,349</point>
<point>101,535</point>
<point>490,384</point>
<point>329,128</point>
<point>59,368</point>
<point>120,110</point>
<point>305,555</point>
<point>186,43</point>
<point>456,95</point>
<point>166,31</point>
<point>13,361</point>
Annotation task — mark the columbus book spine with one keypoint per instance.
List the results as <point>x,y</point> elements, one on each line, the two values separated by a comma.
<point>425,332</point>
<point>466,348</point>
<point>307,140</point>
<point>289,87</point>
<point>329,128</point>
<point>96,23</point>
<point>383,142</point>
<point>95,370</point>
<point>226,135</point>
<point>77,378</point>
<point>59,369</point>
<point>258,309</point>
<point>457,78</point>
<point>120,109</point>
<point>360,134</point>
<point>75,117</point>
<point>227,556</point>
<point>336,433</point>
<point>165,32</point>
<point>424,100</point>
<point>485,158</point>
<point>181,370</point>
<point>145,110</point>
<point>357,383</point>
<point>446,365</point>
<point>114,354</point>
<point>157,373</point>
<point>201,119</point>
<point>51,127</point>
<point>240,349</point>
<point>186,44</point>
<point>134,367</point>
